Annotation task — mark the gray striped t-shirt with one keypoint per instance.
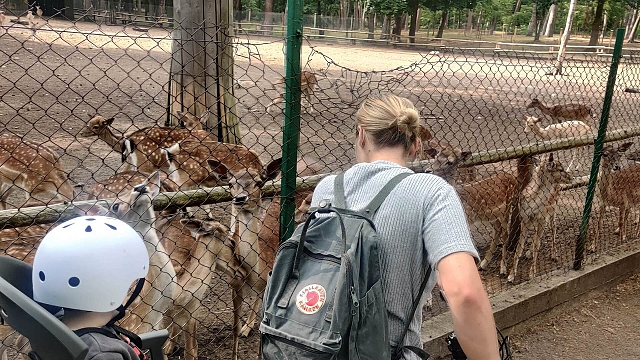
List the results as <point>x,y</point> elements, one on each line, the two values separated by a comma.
<point>421,220</point>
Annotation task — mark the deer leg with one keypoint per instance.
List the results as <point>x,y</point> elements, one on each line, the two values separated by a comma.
<point>492,247</point>
<point>5,191</point>
<point>622,222</point>
<point>535,247</point>
<point>170,345</point>
<point>502,237</point>
<point>237,309</point>
<point>190,341</point>
<point>251,319</point>
<point>517,255</point>
<point>552,223</point>
<point>275,101</point>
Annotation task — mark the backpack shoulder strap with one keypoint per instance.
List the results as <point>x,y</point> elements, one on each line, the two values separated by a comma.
<point>397,353</point>
<point>374,205</point>
<point>338,192</point>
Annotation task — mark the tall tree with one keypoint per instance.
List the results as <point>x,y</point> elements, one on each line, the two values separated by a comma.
<point>534,20</point>
<point>557,69</point>
<point>595,25</point>
<point>445,6</point>
<point>551,20</point>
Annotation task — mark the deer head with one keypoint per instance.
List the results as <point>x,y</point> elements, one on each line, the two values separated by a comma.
<point>447,161</point>
<point>612,156</point>
<point>530,122</point>
<point>139,204</point>
<point>96,126</point>
<point>246,184</point>
<point>555,172</point>
<point>534,103</point>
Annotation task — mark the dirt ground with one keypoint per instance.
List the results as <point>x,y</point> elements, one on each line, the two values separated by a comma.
<point>601,325</point>
<point>54,80</point>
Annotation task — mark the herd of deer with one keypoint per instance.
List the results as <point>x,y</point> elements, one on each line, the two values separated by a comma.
<point>185,252</point>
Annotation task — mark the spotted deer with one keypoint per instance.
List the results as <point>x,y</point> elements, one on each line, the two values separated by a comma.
<point>246,189</point>
<point>189,158</point>
<point>489,200</point>
<point>562,112</point>
<point>148,311</point>
<point>32,167</point>
<point>618,186</point>
<point>537,209</point>
<point>308,83</point>
<point>206,248</point>
<point>141,150</point>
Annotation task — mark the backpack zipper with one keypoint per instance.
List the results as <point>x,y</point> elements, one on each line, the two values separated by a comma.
<point>295,344</point>
<point>321,257</point>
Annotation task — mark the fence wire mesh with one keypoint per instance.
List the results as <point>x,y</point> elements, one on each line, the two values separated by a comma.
<point>84,107</point>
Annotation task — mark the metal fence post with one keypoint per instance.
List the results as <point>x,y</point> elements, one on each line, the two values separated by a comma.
<point>597,152</point>
<point>291,131</point>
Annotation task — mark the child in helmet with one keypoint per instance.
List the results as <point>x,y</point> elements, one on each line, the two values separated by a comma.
<point>86,266</point>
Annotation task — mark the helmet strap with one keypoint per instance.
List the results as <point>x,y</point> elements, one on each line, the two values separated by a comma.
<point>122,308</point>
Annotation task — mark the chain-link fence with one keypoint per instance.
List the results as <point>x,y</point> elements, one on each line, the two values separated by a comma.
<point>82,106</point>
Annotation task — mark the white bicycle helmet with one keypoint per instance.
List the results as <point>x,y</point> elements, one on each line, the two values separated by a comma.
<point>89,263</point>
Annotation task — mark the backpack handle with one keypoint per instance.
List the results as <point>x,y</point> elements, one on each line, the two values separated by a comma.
<point>323,210</point>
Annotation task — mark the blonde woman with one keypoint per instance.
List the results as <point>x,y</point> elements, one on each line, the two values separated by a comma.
<point>421,223</point>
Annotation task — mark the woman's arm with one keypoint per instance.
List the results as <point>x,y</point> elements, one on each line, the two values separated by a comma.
<point>472,315</point>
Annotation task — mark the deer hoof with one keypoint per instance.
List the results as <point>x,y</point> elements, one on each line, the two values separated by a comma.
<point>511,278</point>
<point>483,265</point>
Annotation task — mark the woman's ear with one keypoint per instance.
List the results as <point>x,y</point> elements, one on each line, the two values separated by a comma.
<point>360,137</point>
<point>414,148</point>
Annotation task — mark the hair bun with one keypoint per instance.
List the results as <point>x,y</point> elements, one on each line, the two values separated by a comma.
<point>408,122</point>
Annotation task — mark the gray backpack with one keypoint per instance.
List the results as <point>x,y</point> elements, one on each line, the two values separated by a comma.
<point>324,296</point>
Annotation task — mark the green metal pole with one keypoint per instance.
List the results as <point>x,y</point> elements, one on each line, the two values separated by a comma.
<point>597,152</point>
<point>291,131</point>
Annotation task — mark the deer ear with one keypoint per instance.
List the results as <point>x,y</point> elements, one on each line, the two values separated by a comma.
<point>433,152</point>
<point>220,169</point>
<point>194,225</point>
<point>624,147</point>
<point>109,121</point>
<point>550,158</point>
<point>465,155</point>
<point>272,170</point>
<point>425,134</point>
<point>153,184</point>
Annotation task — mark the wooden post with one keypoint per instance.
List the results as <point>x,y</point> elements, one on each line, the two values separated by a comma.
<point>315,19</point>
<point>249,16</point>
<point>202,65</point>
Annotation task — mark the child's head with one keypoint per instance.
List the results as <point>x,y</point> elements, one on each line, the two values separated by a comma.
<point>88,264</point>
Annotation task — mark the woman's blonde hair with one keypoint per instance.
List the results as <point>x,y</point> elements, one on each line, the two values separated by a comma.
<point>390,120</point>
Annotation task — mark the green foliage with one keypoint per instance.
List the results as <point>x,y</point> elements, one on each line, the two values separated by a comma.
<point>389,7</point>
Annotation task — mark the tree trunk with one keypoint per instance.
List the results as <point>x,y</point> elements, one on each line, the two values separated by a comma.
<point>517,8</point>
<point>597,21</point>
<point>557,69</point>
<point>414,23</point>
<point>469,25</point>
<point>372,25</point>
<point>443,20</point>
<point>344,13</point>
<point>397,27</point>
<point>630,20</point>
<point>539,26</point>
<point>202,65</point>
<point>386,28</point>
<point>604,25</point>
<point>551,20</point>
<point>534,21</point>
<point>268,19</point>
<point>492,27</point>
<point>634,28</point>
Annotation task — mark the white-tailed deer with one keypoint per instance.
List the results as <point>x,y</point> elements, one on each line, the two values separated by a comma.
<point>156,298</point>
<point>195,257</point>
<point>537,208</point>
<point>618,187</point>
<point>561,112</point>
<point>308,83</point>
<point>488,200</point>
<point>558,131</point>
<point>32,167</point>
<point>246,189</point>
